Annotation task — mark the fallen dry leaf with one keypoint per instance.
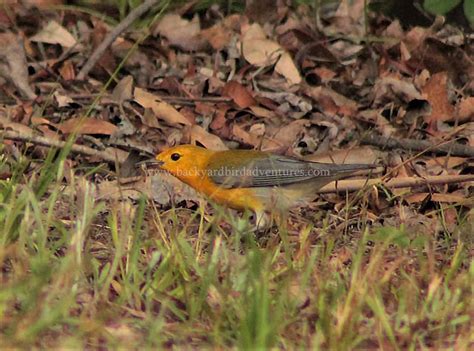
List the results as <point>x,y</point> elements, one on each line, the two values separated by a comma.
<point>262,112</point>
<point>255,138</point>
<point>62,100</point>
<point>332,102</point>
<point>388,88</point>
<point>5,123</point>
<point>415,37</point>
<point>376,118</point>
<point>67,71</point>
<point>445,161</point>
<point>348,19</point>
<point>220,34</point>
<point>260,51</point>
<point>149,119</point>
<point>210,141</point>
<point>219,124</point>
<point>415,198</point>
<point>161,109</point>
<point>35,120</point>
<point>78,125</point>
<point>325,74</point>
<point>181,33</point>
<point>394,30</point>
<point>286,67</point>
<point>123,90</point>
<point>404,52</point>
<point>287,135</point>
<point>54,33</point>
<point>465,109</point>
<point>257,129</point>
<point>13,64</point>
<point>245,137</point>
<point>467,132</point>
<point>82,125</point>
<point>436,91</point>
<point>345,51</point>
<point>239,94</point>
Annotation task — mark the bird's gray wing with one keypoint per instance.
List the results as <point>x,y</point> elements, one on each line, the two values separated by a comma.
<point>279,171</point>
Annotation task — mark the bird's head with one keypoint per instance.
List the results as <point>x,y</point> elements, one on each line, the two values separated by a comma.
<point>183,161</point>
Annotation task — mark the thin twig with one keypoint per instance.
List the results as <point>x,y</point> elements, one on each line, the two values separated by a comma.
<point>167,98</point>
<point>179,99</point>
<point>448,147</point>
<point>404,182</point>
<point>43,141</point>
<point>110,38</point>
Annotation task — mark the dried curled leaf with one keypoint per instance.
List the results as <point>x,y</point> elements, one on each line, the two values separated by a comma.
<point>260,51</point>
<point>466,109</point>
<point>161,109</point>
<point>239,94</point>
<point>210,141</point>
<point>181,32</point>
<point>436,91</point>
<point>82,125</point>
<point>13,64</point>
<point>54,33</point>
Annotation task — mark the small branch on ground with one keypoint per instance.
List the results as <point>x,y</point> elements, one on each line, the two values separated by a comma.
<point>43,141</point>
<point>180,99</point>
<point>450,147</point>
<point>114,34</point>
<point>107,98</point>
<point>405,182</point>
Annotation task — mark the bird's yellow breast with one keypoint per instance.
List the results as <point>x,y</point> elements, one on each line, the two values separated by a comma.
<point>237,198</point>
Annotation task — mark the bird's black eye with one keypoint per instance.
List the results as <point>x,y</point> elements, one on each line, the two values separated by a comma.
<point>175,157</point>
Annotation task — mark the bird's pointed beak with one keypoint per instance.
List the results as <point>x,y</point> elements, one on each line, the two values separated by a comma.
<point>151,163</point>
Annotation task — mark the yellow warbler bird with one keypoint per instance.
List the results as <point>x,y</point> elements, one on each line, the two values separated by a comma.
<point>249,179</point>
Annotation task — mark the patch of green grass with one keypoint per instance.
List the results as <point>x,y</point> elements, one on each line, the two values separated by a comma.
<point>77,272</point>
